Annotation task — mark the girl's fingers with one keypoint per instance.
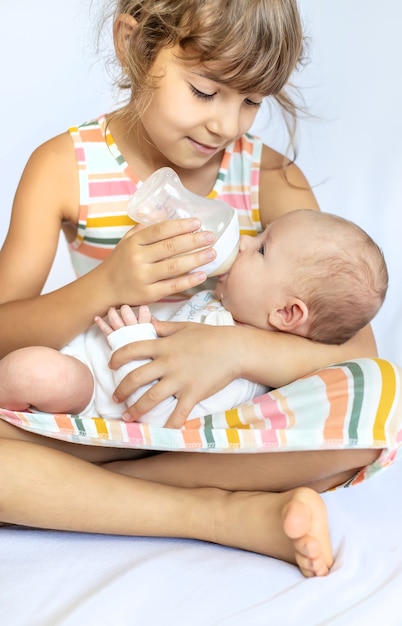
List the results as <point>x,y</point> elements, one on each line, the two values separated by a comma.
<point>135,380</point>
<point>160,242</point>
<point>160,288</point>
<point>179,265</point>
<point>153,262</point>
<point>165,230</point>
<point>156,394</point>
<point>180,413</point>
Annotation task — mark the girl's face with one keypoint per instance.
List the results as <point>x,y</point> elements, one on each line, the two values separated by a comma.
<point>191,118</point>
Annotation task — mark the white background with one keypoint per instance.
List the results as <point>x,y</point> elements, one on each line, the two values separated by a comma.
<point>350,149</point>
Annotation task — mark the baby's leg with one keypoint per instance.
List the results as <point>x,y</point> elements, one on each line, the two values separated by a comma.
<point>44,378</point>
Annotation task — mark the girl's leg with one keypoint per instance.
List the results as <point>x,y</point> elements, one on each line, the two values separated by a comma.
<point>46,488</point>
<point>45,379</point>
<point>93,454</point>
<point>274,471</point>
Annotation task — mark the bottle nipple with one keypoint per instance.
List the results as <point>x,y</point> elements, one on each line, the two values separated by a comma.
<point>162,196</point>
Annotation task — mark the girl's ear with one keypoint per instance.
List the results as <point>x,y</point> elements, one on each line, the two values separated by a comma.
<point>291,318</point>
<point>122,30</point>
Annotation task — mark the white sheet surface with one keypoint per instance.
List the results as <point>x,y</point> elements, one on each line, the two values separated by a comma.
<point>352,154</point>
<point>54,578</point>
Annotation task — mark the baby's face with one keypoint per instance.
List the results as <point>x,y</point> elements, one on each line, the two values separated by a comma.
<point>261,276</point>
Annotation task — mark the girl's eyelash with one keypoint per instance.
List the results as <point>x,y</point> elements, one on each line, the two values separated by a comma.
<point>200,94</point>
<point>251,103</point>
<point>208,96</point>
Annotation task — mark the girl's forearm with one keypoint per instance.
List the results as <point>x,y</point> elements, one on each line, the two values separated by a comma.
<point>53,319</point>
<point>276,359</point>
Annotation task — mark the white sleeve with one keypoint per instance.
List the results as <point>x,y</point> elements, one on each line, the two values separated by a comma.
<point>123,336</point>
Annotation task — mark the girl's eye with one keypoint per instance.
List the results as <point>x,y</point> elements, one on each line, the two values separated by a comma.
<point>261,250</point>
<point>200,94</point>
<point>251,103</point>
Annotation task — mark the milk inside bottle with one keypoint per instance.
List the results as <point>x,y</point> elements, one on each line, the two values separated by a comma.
<point>162,196</point>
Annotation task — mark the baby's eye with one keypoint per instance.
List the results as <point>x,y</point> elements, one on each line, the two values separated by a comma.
<point>261,250</point>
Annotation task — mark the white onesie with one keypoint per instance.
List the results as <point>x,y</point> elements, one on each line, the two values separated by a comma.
<point>94,349</point>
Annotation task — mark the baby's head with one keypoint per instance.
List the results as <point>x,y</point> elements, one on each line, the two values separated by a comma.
<point>343,280</point>
<point>310,273</point>
<point>252,46</point>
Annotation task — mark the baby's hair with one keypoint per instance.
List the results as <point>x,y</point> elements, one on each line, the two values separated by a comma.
<point>343,282</point>
<point>253,46</point>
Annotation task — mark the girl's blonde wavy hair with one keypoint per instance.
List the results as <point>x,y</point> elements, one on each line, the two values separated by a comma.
<point>253,46</point>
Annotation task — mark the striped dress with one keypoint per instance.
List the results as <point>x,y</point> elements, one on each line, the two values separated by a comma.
<point>107,182</point>
<point>357,404</point>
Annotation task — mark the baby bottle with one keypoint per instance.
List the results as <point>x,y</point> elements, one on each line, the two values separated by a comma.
<point>163,197</point>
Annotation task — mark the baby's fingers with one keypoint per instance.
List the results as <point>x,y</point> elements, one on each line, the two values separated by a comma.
<point>127,315</point>
<point>144,314</point>
<point>103,325</point>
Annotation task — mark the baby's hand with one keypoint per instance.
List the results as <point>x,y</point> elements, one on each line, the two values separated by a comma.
<point>125,317</point>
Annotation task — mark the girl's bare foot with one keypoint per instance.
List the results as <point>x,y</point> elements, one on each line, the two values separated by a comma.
<point>291,526</point>
<point>305,523</point>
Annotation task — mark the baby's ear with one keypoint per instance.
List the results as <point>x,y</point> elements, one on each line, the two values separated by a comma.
<point>122,31</point>
<point>291,317</point>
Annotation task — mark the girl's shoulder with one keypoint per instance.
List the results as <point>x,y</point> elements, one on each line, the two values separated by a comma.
<point>56,148</point>
<point>57,154</point>
<point>283,186</point>
<point>52,166</point>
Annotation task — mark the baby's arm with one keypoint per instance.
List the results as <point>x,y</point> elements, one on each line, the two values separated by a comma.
<point>120,329</point>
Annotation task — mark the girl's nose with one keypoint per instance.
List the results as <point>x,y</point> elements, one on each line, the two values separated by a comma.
<point>225,122</point>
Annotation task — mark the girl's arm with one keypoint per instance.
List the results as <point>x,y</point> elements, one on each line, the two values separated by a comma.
<point>139,270</point>
<point>283,187</point>
<point>193,361</point>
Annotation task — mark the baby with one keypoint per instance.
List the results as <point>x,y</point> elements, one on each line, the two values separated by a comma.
<point>309,273</point>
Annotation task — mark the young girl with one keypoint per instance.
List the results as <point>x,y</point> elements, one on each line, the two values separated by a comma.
<point>197,73</point>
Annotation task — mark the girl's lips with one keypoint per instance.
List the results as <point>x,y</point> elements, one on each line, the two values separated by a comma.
<point>202,147</point>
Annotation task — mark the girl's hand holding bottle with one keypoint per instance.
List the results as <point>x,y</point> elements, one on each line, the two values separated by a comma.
<point>154,262</point>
